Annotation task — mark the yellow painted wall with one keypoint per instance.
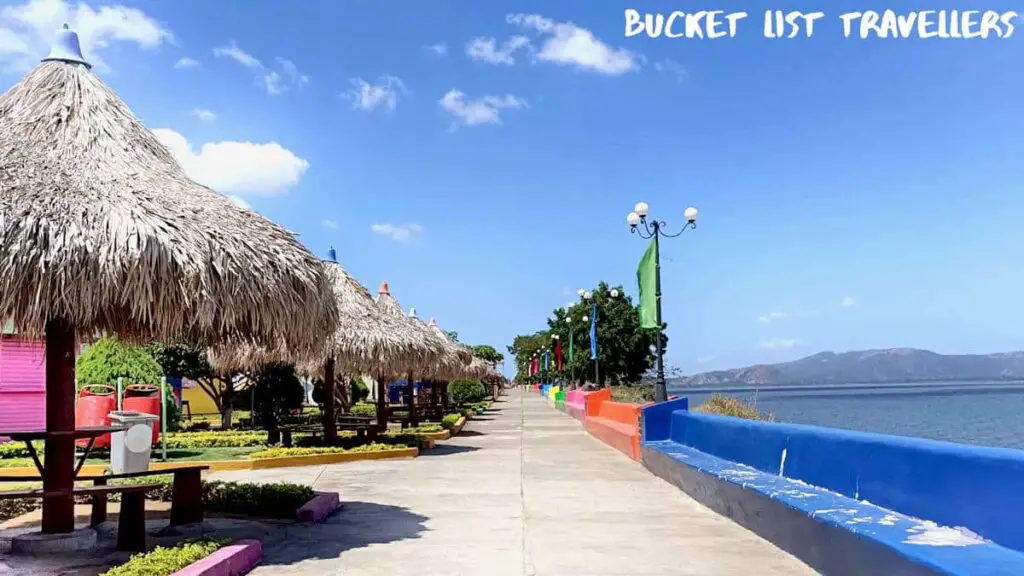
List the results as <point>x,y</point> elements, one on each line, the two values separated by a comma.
<point>201,403</point>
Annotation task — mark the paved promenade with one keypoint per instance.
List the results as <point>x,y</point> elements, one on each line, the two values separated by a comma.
<point>524,492</point>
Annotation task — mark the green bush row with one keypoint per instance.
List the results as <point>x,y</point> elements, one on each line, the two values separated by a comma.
<point>163,561</point>
<point>315,451</point>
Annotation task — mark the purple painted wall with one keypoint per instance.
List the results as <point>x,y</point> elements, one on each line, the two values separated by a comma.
<point>22,384</point>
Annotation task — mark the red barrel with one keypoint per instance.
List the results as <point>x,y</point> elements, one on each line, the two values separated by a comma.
<point>146,399</point>
<point>95,403</point>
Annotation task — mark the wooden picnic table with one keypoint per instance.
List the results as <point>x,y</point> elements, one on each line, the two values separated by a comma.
<point>186,500</point>
<point>90,432</point>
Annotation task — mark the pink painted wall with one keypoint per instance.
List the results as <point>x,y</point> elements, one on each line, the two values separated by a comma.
<point>22,384</point>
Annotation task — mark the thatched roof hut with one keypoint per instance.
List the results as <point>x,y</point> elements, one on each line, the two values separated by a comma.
<point>458,357</point>
<point>101,227</point>
<point>367,340</point>
<point>387,304</point>
<point>453,361</point>
<point>102,231</point>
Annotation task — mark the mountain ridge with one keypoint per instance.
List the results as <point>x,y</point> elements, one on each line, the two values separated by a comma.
<point>875,366</point>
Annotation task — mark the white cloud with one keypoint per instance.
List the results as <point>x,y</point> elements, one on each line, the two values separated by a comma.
<point>487,50</point>
<point>368,97</point>
<point>567,44</point>
<point>673,69</point>
<point>772,317</point>
<point>483,110</point>
<point>234,168</point>
<point>781,343</point>
<point>285,77</point>
<point>204,115</point>
<point>186,63</point>
<point>27,31</point>
<point>847,302</point>
<point>329,224</point>
<point>440,48</point>
<point>398,232</point>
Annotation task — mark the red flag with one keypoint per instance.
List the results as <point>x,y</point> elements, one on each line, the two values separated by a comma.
<point>558,355</point>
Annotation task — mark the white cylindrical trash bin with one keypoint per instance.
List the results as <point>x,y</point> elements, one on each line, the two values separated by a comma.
<point>129,449</point>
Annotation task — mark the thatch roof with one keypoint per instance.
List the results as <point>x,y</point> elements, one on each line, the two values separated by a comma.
<point>426,337</point>
<point>451,365</point>
<point>101,226</point>
<point>368,340</point>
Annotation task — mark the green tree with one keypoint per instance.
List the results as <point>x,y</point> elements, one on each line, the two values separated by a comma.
<point>523,348</point>
<point>487,353</point>
<point>110,358</point>
<point>277,391</point>
<point>625,351</point>
<point>452,335</point>
<point>190,361</point>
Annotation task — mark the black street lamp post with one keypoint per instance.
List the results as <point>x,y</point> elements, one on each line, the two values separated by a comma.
<point>647,229</point>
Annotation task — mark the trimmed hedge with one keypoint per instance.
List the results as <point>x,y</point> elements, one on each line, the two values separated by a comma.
<point>316,451</point>
<point>363,409</point>
<point>450,420</point>
<point>163,561</point>
<point>463,391</point>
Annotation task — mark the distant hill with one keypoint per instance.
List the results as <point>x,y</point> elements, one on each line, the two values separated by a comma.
<point>869,366</point>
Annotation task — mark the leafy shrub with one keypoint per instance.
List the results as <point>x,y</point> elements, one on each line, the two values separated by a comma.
<point>423,429</point>
<point>163,561</point>
<point>109,359</point>
<point>14,508</point>
<point>227,439</point>
<point>363,409</point>
<point>360,391</point>
<point>277,500</point>
<point>278,391</point>
<point>639,394</point>
<point>450,420</point>
<point>463,391</point>
<point>731,406</point>
<point>18,449</point>
<point>315,451</point>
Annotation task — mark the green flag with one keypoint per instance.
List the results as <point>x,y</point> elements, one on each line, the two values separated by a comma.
<point>647,280</point>
<point>570,344</point>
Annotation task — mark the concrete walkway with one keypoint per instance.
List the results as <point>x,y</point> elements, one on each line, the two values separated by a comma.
<point>523,491</point>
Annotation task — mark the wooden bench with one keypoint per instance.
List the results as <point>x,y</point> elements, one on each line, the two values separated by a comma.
<point>131,523</point>
<point>186,491</point>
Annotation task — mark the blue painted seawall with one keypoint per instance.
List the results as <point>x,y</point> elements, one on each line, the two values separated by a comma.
<point>877,502</point>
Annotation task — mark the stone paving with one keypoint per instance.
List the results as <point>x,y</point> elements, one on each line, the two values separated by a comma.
<point>522,491</point>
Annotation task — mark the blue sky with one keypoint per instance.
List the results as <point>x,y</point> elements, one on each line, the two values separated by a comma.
<point>484,167</point>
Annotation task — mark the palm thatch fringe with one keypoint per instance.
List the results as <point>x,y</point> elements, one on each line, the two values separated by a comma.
<point>368,340</point>
<point>100,225</point>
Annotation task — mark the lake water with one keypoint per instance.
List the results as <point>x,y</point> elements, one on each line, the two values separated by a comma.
<point>988,414</point>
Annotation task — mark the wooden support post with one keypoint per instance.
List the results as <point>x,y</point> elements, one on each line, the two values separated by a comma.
<point>330,416</point>
<point>414,419</point>
<point>59,451</point>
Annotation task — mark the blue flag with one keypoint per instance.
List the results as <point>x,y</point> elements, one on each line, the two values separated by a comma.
<point>545,361</point>
<point>593,333</point>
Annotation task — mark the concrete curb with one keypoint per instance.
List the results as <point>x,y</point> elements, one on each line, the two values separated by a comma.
<point>319,507</point>
<point>232,560</point>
